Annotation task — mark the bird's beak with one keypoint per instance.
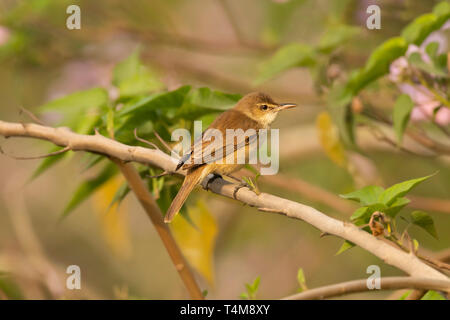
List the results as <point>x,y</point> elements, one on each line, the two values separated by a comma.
<point>284,106</point>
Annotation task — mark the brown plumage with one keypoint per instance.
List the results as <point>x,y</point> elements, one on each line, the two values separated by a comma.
<point>254,111</point>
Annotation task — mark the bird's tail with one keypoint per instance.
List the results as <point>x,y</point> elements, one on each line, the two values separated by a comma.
<point>190,181</point>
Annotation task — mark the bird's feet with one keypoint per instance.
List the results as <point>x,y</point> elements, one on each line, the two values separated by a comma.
<point>210,180</point>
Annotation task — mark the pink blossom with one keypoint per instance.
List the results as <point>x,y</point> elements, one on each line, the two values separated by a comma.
<point>4,35</point>
<point>425,103</point>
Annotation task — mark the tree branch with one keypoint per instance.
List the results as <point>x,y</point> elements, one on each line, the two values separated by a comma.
<point>99,144</point>
<point>388,283</point>
<point>154,213</point>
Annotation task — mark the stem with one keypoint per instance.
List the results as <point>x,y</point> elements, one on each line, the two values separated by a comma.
<point>355,286</point>
<point>436,94</point>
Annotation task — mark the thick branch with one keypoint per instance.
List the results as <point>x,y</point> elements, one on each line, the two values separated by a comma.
<point>97,143</point>
<point>388,283</point>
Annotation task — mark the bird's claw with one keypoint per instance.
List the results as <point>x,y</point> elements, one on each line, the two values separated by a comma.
<point>210,180</point>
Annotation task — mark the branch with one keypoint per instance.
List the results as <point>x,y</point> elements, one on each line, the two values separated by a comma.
<point>154,213</point>
<point>310,191</point>
<point>388,283</point>
<point>99,144</point>
<point>320,195</point>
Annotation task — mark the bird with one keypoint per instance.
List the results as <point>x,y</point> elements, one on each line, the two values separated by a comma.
<point>256,110</point>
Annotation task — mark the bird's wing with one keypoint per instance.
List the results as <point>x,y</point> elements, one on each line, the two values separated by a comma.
<point>210,148</point>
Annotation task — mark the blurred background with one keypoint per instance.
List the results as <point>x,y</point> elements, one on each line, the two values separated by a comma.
<point>220,44</point>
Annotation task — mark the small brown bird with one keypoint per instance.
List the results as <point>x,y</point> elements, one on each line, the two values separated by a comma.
<point>254,111</point>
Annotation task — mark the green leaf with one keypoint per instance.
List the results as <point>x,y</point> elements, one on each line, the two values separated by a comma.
<point>153,107</point>
<point>133,78</point>
<point>336,36</point>
<point>10,288</point>
<point>402,111</point>
<point>86,188</point>
<point>416,245</point>
<point>345,246</point>
<point>396,206</point>
<point>415,59</point>
<point>81,110</point>
<point>338,104</point>
<point>405,295</point>
<point>126,68</point>
<point>244,296</point>
<point>423,220</point>
<point>378,63</point>
<point>366,196</point>
<point>48,162</point>
<point>160,101</point>
<point>252,289</point>
<point>204,101</point>
<point>431,49</point>
<point>290,56</point>
<point>120,194</point>
<point>301,280</point>
<point>400,189</point>
<point>78,101</point>
<point>360,213</point>
<point>419,29</point>
<point>91,160</point>
<point>432,295</point>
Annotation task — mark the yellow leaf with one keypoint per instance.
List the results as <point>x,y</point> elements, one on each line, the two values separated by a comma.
<point>329,139</point>
<point>113,219</point>
<point>197,243</point>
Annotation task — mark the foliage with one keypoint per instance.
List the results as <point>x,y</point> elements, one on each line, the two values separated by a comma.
<point>142,104</point>
<point>389,202</point>
<point>251,290</point>
<point>301,280</point>
<point>341,91</point>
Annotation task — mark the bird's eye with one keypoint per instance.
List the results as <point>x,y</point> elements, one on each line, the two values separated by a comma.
<point>264,107</point>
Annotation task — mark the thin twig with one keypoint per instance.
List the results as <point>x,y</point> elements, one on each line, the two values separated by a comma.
<point>143,140</point>
<point>387,283</point>
<point>379,135</point>
<point>168,148</point>
<point>31,115</point>
<point>51,154</point>
<point>162,174</point>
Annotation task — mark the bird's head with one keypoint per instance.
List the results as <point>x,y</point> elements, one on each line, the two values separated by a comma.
<point>261,107</point>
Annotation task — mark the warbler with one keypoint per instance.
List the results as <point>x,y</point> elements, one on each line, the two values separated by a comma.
<point>206,156</point>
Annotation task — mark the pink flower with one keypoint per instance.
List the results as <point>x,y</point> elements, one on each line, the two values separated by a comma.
<point>425,103</point>
<point>4,35</point>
